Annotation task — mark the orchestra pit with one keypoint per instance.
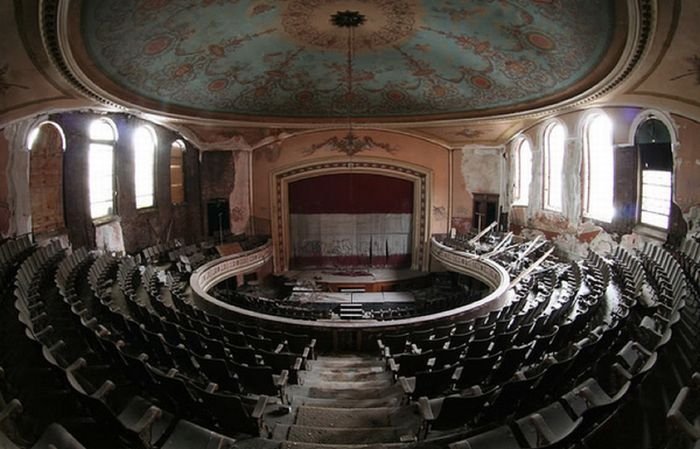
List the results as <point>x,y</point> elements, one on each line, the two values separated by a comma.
<point>349,224</point>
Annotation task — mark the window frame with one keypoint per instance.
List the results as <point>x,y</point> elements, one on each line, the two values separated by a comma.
<point>95,142</point>
<point>547,169</point>
<point>177,145</point>
<point>137,172</point>
<point>587,169</point>
<point>518,198</point>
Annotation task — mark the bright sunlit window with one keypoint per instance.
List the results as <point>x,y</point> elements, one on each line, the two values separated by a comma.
<point>523,172</point>
<point>144,166</point>
<point>103,136</point>
<point>177,175</point>
<point>600,169</point>
<point>555,137</point>
<point>656,198</point>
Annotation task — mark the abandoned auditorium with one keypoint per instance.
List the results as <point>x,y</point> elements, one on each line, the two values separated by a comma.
<point>349,224</point>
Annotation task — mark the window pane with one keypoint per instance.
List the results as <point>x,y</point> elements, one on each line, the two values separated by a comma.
<point>102,130</point>
<point>144,167</point>
<point>656,197</point>
<point>101,181</point>
<point>554,155</point>
<point>601,168</point>
<point>524,175</point>
<point>177,191</point>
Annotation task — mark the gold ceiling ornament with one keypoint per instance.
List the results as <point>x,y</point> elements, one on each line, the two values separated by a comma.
<point>350,144</point>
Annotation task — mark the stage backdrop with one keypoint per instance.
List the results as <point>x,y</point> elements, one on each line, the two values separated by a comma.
<point>357,220</point>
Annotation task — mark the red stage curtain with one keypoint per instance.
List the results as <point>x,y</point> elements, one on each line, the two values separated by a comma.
<point>351,220</point>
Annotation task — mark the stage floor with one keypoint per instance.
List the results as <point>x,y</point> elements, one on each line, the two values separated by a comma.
<point>353,298</point>
<point>356,280</point>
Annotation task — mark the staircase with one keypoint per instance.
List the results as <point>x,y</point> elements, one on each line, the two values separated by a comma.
<point>346,402</point>
<point>351,311</point>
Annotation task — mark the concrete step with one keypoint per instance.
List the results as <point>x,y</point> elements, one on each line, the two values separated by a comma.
<point>299,445</point>
<point>387,401</point>
<point>357,417</point>
<point>343,435</point>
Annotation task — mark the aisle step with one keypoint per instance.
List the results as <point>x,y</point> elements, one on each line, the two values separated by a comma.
<point>353,417</point>
<point>343,435</point>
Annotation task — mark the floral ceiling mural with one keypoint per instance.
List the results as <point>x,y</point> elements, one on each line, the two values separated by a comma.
<point>254,58</point>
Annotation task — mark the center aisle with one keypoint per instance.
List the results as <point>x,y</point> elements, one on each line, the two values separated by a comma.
<point>344,402</point>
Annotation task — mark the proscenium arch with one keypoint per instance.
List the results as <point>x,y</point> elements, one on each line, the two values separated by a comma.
<point>422,191</point>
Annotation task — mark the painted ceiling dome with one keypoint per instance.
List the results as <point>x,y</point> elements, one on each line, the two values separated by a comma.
<point>412,60</point>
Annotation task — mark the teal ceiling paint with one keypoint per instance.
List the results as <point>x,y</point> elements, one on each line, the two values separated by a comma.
<point>284,58</point>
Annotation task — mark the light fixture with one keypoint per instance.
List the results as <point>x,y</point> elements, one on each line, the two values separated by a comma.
<point>351,143</point>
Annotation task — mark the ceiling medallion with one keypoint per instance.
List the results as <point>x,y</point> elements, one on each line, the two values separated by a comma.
<point>350,144</point>
<point>390,22</point>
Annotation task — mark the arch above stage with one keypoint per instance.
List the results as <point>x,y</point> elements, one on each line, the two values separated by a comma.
<point>280,180</point>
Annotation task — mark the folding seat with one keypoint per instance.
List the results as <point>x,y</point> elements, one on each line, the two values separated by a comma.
<point>683,417</point>
<point>461,339</point>
<point>262,343</point>
<point>284,361</point>
<point>504,340</point>
<point>475,370</point>
<point>484,331</point>
<point>428,383</point>
<point>408,363</point>
<point>511,361</point>
<point>174,389</point>
<point>549,427</point>
<point>541,345</point>
<point>138,422</point>
<point>421,334</point>
<point>392,344</point>
<point>236,338</point>
<point>634,362</point>
<point>448,356</point>
<point>262,380</point>
<point>301,344</point>
<point>217,370</point>
<point>511,395</point>
<point>453,411</point>
<point>215,348</point>
<point>55,436</point>
<point>243,354</point>
<point>555,376</point>
<point>591,401</point>
<point>479,347</point>
<point>194,342</point>
<point>172,333</point>
<point>444,331</point>
<point>230,415</point>
<point>499,438</point>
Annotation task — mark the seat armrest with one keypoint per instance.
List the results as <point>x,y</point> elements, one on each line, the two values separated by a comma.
<point>425,409</point>
<point>143,357</point>
<point>14,407</point>
<point>676,418</point>
<point>282,379</point>
<point>78,364</point>
<point>102,392</point>
<point>212,387</point>
<point>620,371</point>
<point>305,353</point>
<point>544,432</point>
<point>147,420</point>
<point>415,349</point>
<point>279,348</point>
<point>297,363</point>
<point>408,384</point>
<point>260,407</point>
<point>393,366</point>
<point>457,373</point>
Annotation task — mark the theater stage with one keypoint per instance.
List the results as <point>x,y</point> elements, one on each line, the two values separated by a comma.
<point>357,280</point>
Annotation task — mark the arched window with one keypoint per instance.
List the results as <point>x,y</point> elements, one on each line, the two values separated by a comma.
<point>656,163</point>
<point>554,140</point>
<point>144,166</point>
<point>46,143</point>
<point>103,136</point>
<point>599,168</point>
<point>177,172</point>
<point>523,172</point>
